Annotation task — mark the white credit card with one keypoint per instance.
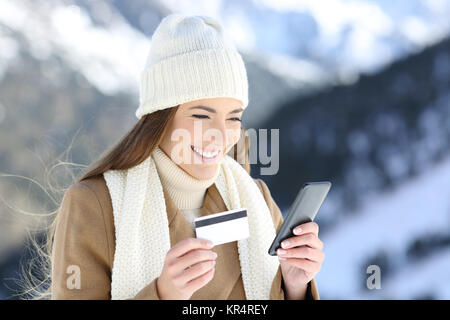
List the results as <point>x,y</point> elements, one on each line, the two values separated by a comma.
<point>223,227</point>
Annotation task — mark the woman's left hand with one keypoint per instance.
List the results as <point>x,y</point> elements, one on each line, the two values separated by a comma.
<point>302,258</point>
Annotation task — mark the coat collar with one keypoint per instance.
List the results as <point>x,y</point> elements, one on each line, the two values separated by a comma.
<point>228,268</point>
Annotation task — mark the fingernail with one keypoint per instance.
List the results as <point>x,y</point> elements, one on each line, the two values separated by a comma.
<point>285,243</point>
<point>281,251</point>
<point>297,230</point>
<point>210,244</point>
<point>281,258</point>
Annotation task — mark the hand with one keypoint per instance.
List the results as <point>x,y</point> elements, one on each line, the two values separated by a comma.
<point>188,266</point>
<point>302,258</point>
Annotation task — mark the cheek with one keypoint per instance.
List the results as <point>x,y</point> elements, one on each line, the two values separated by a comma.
<point>233,135</point>
<point>182,131</point>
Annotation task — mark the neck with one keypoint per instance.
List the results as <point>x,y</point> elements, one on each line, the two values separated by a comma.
<point>186,191</point>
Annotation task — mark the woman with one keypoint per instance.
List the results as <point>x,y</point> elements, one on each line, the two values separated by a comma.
<point>125,229</point>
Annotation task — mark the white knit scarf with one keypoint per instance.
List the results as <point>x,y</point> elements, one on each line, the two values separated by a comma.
<point>142,229</point>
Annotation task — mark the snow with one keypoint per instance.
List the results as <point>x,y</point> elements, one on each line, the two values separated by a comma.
<point>312,44</point>
<point>110,57</point>
<point>294,70</point>
<point>390,222</point>
<point>338,40</point>
<point>307,43</point>
<point>412,281</point>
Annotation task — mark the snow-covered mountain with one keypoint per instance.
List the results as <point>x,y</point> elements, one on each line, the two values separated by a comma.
<point>65,62</point>
<point>107,44</point>
<point>109,55</point>
<point>304,44</point>
<point>388,223</point>
<point>355,36</point>
<point>312,44</point>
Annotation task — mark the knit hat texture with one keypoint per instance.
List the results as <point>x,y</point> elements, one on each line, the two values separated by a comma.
<point>190,58</point>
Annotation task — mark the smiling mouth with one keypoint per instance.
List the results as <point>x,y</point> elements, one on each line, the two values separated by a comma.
<point>208,155</point>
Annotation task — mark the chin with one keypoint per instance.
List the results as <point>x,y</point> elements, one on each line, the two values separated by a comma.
<point>202,172</point>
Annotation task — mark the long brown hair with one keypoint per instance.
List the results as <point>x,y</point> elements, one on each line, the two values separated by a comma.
<point>129,151</point>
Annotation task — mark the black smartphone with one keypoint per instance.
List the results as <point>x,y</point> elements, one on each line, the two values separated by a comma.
<point>304,209</point>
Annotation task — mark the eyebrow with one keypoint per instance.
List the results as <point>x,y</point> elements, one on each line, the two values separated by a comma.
<point>213,110</point>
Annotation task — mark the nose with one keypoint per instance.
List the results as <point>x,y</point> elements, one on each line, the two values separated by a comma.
<point>218,134</point>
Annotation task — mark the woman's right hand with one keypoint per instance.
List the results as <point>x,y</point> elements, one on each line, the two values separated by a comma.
<point>188,266</point>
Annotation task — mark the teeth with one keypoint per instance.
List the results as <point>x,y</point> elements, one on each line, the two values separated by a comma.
<point>206,154</point>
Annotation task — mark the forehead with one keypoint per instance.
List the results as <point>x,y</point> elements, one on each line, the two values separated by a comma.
<point>220,104</point>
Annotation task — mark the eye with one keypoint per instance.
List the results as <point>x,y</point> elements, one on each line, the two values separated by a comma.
<point>200,116</point>
<point>235,119</point>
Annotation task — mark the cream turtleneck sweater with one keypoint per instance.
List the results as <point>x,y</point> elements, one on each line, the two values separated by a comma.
<point>186,191</point>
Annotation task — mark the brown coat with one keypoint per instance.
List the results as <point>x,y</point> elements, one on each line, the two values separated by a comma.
<point>85,237</point>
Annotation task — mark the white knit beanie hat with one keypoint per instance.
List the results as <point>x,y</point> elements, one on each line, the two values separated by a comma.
<point>190,59</point>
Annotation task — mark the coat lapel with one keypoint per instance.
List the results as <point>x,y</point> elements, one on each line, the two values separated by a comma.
<point>228,269</point>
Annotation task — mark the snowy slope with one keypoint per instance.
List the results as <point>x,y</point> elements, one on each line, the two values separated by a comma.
<point>430,277</point>
<point>390,222</point>
<point>109,56</point>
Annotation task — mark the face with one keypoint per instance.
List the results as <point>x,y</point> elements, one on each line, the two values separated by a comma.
<point>201,133</point>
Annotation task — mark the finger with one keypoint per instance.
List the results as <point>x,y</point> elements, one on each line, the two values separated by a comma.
<point>309,239</point>
<point>193,257</point>
<point>194,271</point>
<point>186,245</point>
<point>302,252</point>
<point>304,264</point>
<point>308,227</point>
<point>201,281</point>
